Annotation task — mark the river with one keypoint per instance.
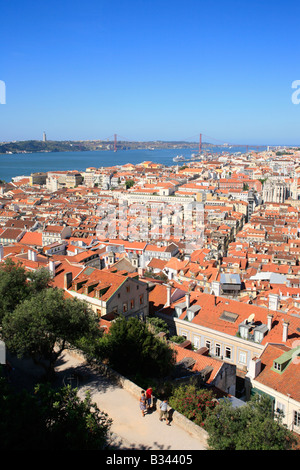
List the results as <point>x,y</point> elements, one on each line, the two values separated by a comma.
<point>13,165</point>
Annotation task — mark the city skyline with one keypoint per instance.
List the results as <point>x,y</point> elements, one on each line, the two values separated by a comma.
<point>150,71</point>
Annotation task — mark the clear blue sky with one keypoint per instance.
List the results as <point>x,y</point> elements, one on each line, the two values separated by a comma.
<point>150,70</point>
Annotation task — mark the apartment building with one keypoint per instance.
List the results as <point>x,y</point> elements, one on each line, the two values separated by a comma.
<point>109,292</point>
<point>55,233</point>
<point>231,330</point>
<point>275,373</point>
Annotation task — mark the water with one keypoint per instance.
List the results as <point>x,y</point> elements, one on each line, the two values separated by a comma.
<point>12,165</point>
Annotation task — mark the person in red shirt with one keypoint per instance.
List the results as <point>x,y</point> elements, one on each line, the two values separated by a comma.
<point>149,397</point>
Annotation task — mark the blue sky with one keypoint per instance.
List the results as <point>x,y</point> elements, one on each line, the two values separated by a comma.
<point>150,70</point>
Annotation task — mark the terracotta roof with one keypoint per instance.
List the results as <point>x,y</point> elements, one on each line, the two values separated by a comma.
<point>287,382</point>
<point>176,264</point>
<point>62,268</point>
<point>212,308</point>
<point>11,233</point>
<point>103,279</point>
<point>32,238</point>
<point>201,361</point>
<point>157,263</point>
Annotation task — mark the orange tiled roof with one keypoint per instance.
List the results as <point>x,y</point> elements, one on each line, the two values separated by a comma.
<point>201,361</point>
<point>287,382</point>
<point>32,238</point>
<point>212,308</point>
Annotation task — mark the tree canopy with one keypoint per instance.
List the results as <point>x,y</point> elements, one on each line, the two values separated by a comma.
<point>157,325</point>
<point>17,285</point>
<point>50,419</point>
<point>132,349</point>
<point>249,427</point>
<point>46,323</point>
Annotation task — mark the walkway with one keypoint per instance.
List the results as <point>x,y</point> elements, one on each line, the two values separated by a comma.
<point>130,430</point>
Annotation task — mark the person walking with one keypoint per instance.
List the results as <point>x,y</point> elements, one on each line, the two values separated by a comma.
<point>143,402</point>
<point>164,412</point>
<point>149,397</point>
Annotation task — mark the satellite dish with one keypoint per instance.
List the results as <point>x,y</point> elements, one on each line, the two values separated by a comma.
<point>250,318</point>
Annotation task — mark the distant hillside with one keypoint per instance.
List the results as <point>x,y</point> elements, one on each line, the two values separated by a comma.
<point>33,146</point>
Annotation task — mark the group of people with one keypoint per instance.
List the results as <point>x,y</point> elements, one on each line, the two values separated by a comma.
<point>146,404</point>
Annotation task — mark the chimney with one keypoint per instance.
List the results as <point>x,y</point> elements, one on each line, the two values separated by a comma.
<point>270,318</point>
<point>33,255</point>
<point>187,299</point>
<point>68,277</point>
<point>285,331</point>
<point>215,288</point>
<point>254,367</point>
<point>29,253</point>
<point>52,268</point>
<point>273,301</point>
<point>169,288</point>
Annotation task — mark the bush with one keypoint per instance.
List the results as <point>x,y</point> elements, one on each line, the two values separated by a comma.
<point>195,404</point>
<point>177,339</point>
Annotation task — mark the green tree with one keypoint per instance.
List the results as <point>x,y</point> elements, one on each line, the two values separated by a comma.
<point>45,324</point>
<point>13,286</point>
<point>249,427</point>
<point>39,280</point>
<point>157,325</point>
<point>50,419</point>
<point>129,183</point>
<point>132,349</point>
<point>17,285</point>
<point>177,339</point>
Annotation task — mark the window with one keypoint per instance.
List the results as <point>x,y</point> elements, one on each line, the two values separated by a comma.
<point>228,352</point>
<point>242,357</point>
<point>141,299</point>
<point>277,366</point>
<point>280,408</point>
<point>196,342</point>
<point>297,418</point>
<point>128,288</point>
<point>208,345</point>
<point>218,350</point>
<point>132,303</point>
<point>125,307</point>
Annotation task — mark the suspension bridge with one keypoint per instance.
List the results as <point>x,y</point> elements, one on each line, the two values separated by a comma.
<point>201,142</point>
